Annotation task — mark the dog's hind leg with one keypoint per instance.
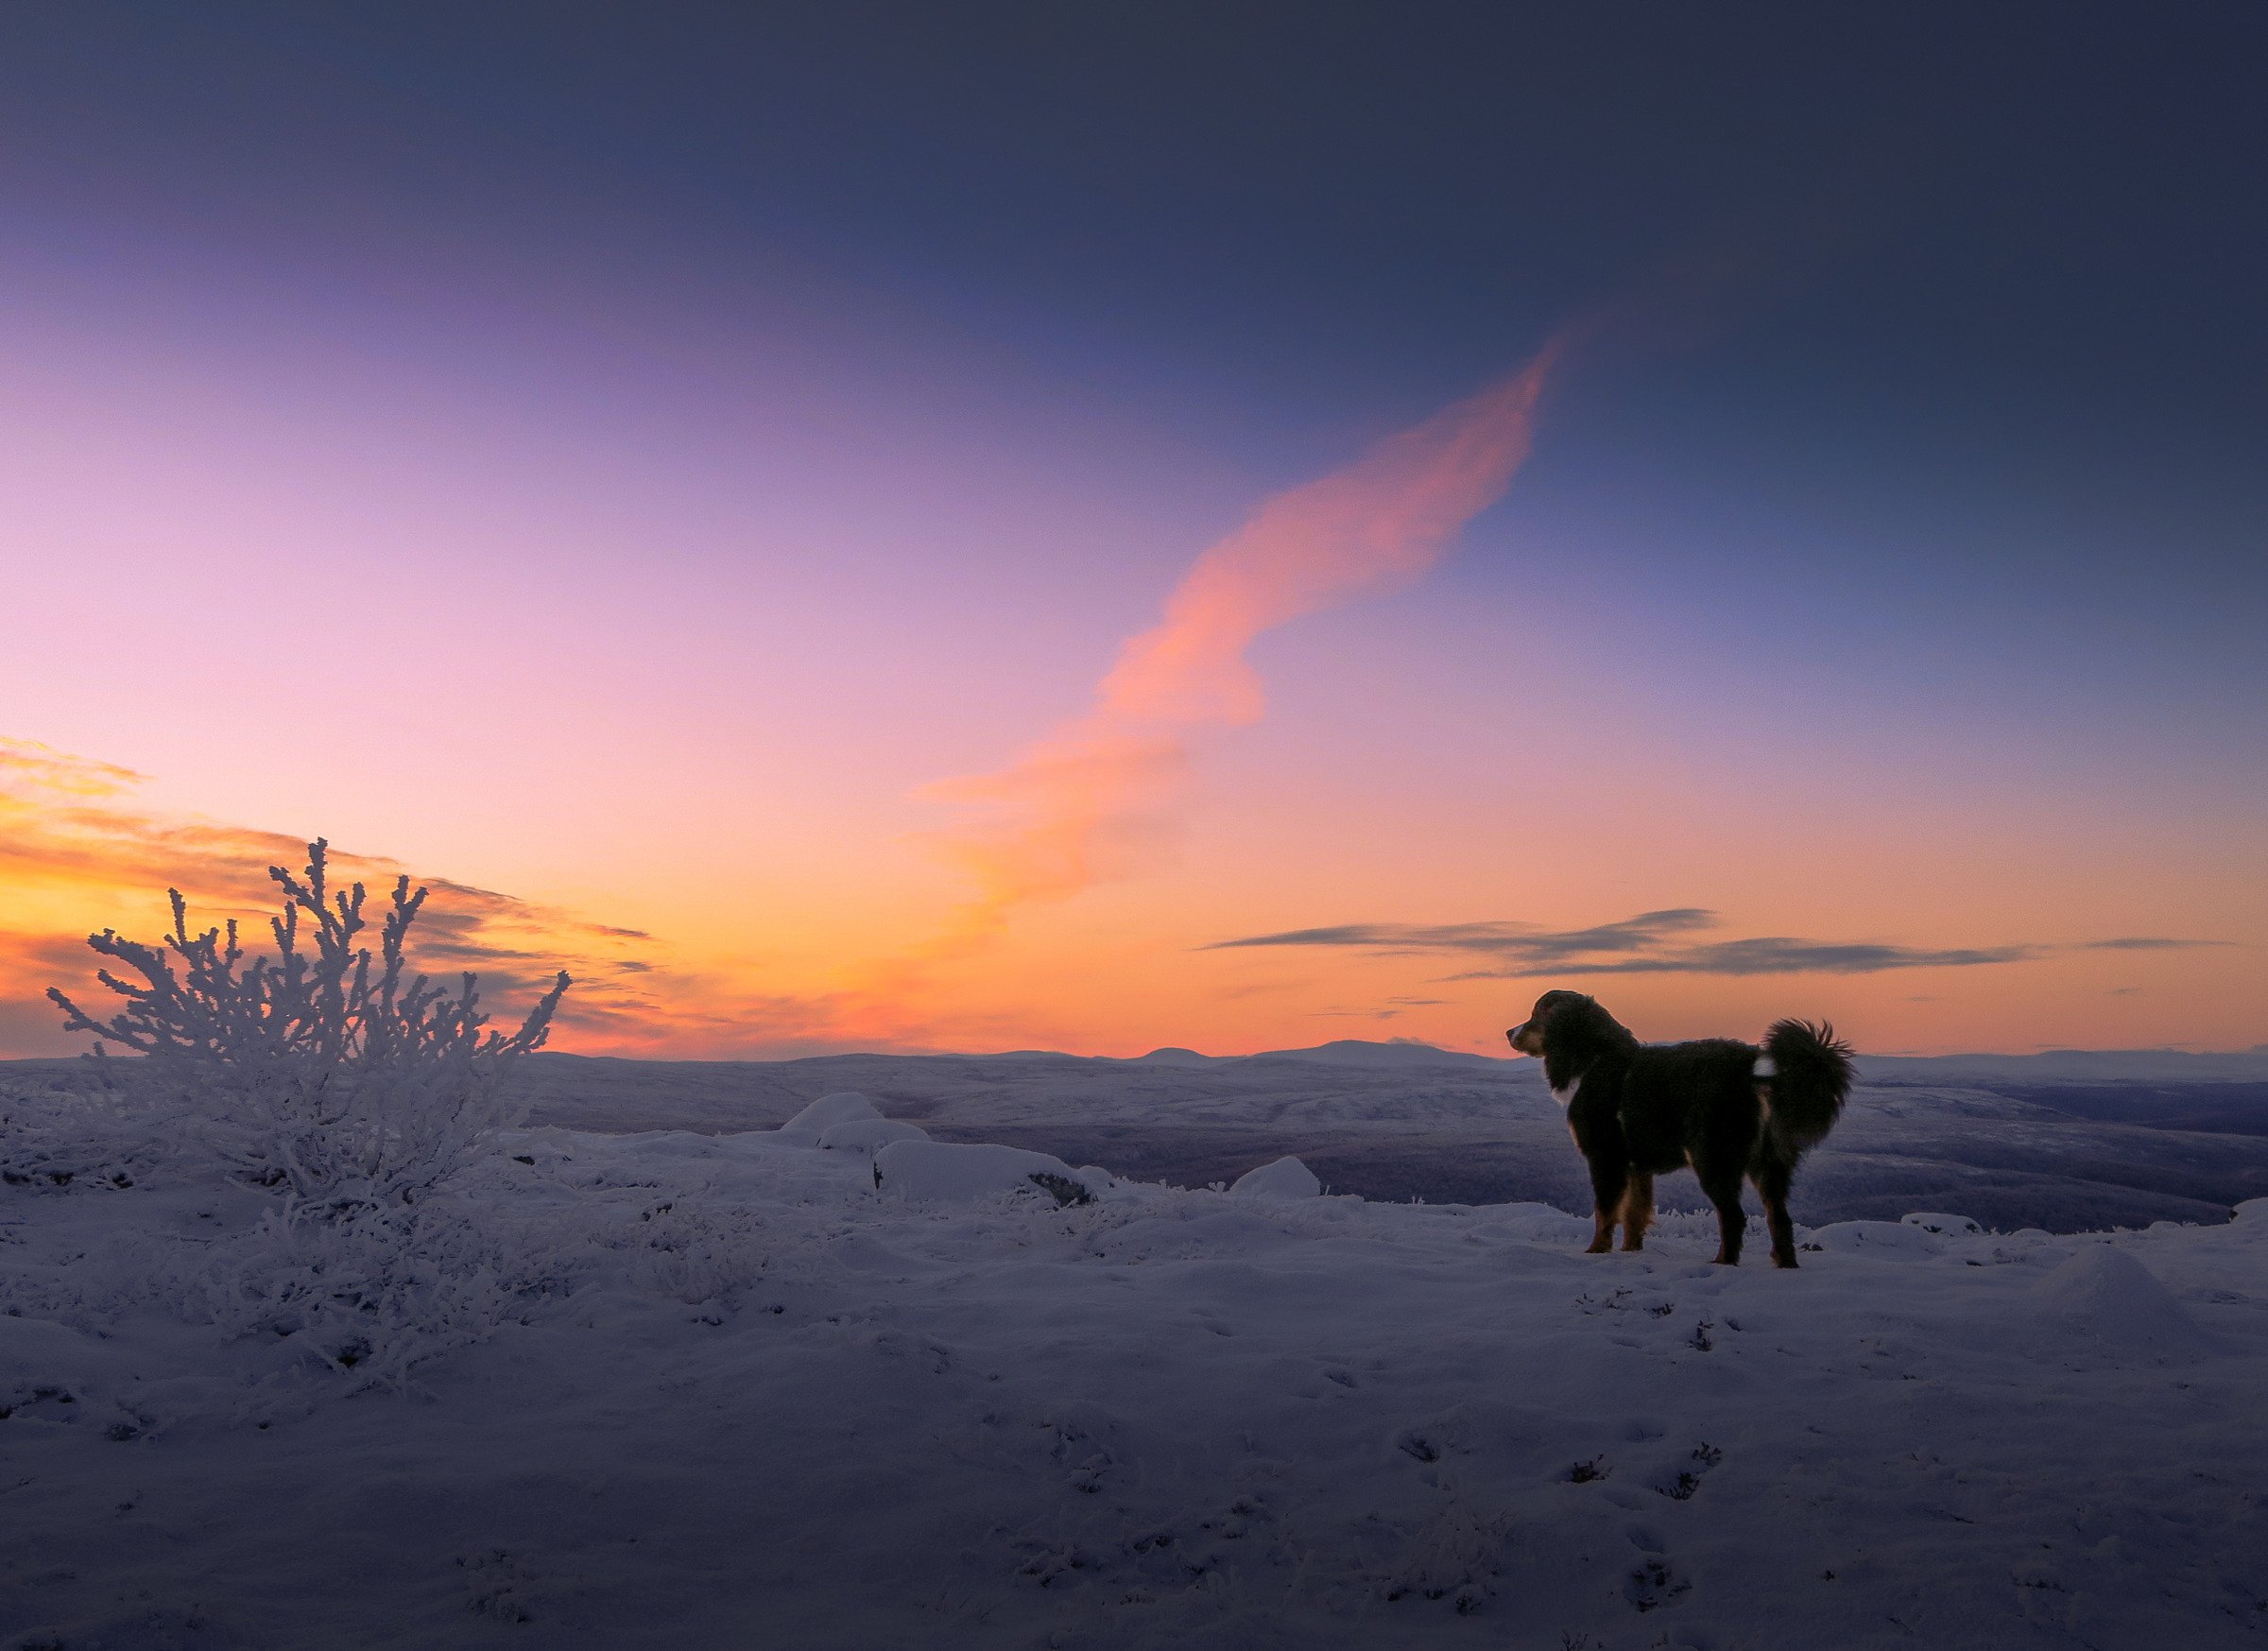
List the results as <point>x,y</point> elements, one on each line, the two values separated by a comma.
<point>1637,1210</point>
<point>1772,1179</point>
<point>1733,1221</point>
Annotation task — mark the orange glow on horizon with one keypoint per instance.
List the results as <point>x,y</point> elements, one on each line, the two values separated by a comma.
<point>1120,969</point>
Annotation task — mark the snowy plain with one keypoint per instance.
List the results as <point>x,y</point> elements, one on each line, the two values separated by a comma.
<point>719,1387</point>
<point>2067,1142</point>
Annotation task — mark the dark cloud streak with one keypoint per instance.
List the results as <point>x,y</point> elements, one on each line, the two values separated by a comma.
<point>1648,944</point>
<point>1779,955</point>
<point>1504,939</point>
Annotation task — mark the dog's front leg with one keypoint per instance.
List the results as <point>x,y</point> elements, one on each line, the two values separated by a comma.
<point>1609,1186</point>
<point>1601,1230</point>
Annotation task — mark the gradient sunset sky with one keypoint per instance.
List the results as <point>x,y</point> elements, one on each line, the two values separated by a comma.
<point>1061,526</point>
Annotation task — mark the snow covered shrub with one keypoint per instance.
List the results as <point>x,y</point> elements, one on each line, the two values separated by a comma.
<point>85,1283</point>
<point>329,1079</point>
<point>697,1255</point>
<point>376,1293</point>
<point>78,1136</point>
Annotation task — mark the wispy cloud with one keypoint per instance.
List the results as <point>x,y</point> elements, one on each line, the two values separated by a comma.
<point>27,762</point>
<point>1391,1010</point>
<point>1656,942</point>
<point>1092,802</point>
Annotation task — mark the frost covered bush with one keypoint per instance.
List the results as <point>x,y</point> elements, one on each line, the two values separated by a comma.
<point>323,1074</point>
<point>85,1285</point>
<point>78,1137</point>
<point>376,1293</point>
<point>695,1255</point>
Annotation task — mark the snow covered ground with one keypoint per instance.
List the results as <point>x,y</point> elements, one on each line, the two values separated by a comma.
<point>722,1390</point>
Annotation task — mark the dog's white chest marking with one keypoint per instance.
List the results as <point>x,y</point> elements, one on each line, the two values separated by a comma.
<point>1566,1097</point>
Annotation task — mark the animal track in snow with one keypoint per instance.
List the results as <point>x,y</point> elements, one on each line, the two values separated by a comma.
<point>1655,1584</point>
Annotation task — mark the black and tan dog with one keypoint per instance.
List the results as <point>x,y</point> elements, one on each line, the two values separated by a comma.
<point>1730,1110</point>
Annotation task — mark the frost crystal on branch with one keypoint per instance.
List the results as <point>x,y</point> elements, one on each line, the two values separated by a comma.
<point>322,1074</point>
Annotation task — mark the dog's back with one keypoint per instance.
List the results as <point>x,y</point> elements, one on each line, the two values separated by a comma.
<point>1692,1101</point>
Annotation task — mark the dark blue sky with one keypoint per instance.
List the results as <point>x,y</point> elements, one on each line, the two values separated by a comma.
<point>1980,285</point>
<point>1947,314</point>
<point>2046,211</point>
<point>2008,242</point>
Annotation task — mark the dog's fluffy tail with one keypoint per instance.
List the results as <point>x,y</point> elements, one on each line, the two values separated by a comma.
<point>1810,1076</point>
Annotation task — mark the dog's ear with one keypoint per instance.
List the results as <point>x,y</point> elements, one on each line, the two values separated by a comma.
<point>1527,1037</point>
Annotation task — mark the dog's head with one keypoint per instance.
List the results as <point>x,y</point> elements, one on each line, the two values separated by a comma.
<point>1560,1018</point>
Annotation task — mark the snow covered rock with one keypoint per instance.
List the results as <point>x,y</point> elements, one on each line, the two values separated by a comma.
<point>1930,1221</point>
<point>1287,1178</point>
<point>2117,1303</point>
<point>1883,1238</point>
<point>949,1172</point>
<point>839,1107</point>
<point>1541,1224</point>
<point>814,1121</point>
<point>866,1135</point>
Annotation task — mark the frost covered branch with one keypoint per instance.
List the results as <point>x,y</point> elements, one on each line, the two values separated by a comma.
<point>323,1072</point>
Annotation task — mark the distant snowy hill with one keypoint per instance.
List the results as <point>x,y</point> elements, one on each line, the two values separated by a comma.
<point>1402,1054</point>
<point>2065,1142</point>
<point>2071,1066</point>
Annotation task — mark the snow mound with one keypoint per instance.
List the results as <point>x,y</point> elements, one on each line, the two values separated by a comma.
<point>1173,1056</point>
<point>41,1359</point>
<point>1536,1223</point>
<point>1287,1178</point>
<point>942,1172</point>
<point>839,1107</point>
<point>1883,1238</point>
<point>867,1135</point>
<point>823,1114</point>
<point>657,1147</point>
<point>2115,1301</point>
<point>1930,1221</point>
